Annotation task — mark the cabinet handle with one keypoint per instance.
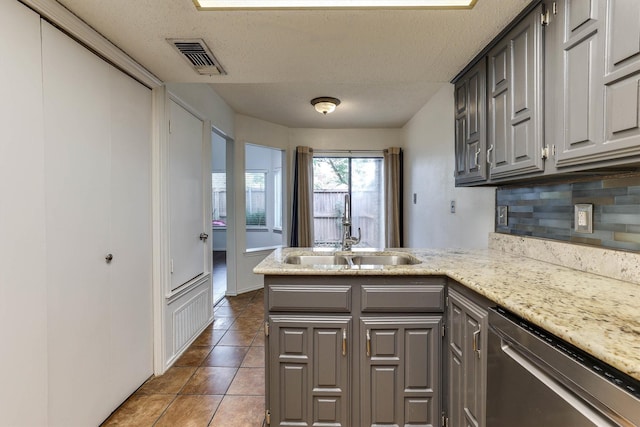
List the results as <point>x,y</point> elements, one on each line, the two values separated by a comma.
<point>477,157</point>
<point>344,342</point>
<point>489,156</point>
<point>368,344</point>
<point>204,237</point>
<point>108,258</point>
<point>476,349</point>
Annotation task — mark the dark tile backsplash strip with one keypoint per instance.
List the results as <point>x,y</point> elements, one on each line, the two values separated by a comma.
<point>547,211</point>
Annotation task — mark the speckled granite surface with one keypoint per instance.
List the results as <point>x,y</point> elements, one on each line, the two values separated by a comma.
<point>597,314</point>
<point>606,262</point>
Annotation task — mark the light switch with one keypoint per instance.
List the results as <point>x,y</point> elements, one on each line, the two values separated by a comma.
<point>583,218</point>
<point>503,220</point>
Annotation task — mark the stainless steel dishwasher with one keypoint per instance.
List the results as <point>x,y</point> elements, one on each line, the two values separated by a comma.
<point>535,379</point>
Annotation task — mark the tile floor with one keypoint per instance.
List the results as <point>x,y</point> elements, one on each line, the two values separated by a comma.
<point>218,381</point>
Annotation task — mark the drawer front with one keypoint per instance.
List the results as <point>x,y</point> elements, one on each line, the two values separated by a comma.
<point>402,298</point>
<point>335,299</point>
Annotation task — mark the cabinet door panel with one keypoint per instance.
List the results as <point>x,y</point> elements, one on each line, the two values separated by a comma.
<point>471,125</point>
<point>624,33</point>
<point>467,361</point>
<point>579,94</point>
<point>308,372</point>
<point>515,104</point>
<point>580,13</point>
<point>400,378</point>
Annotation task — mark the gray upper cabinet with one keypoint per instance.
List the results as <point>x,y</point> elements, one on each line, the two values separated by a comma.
<point>575,36</point>
<point>598,119</point>
<point>470,125</point>
<point>515,95</point>
<point>572,93</point>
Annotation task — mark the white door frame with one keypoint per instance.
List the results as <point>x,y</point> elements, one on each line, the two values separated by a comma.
<point>161,211</point>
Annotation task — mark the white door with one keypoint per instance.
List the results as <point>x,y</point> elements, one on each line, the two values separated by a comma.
<point>97,183</point>
<point>186,196</point>
<point>130,271</point>
<point>23,291</point>
<point>77,115</point>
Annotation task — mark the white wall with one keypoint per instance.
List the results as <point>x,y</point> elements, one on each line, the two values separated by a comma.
<point>260,132</point>
<point>207,102</point>
<point>428,172</point>
<point>342,139</point>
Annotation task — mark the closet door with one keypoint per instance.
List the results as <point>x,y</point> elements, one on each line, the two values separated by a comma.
<point>77,116</point>
<point>131,318</point>
<point>97,156</point>
<point>23,294</point>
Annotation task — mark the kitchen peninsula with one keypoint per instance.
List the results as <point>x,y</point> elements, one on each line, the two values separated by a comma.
<point>595,313</point>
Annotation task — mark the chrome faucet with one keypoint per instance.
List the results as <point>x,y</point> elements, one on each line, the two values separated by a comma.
<point>347,238</point>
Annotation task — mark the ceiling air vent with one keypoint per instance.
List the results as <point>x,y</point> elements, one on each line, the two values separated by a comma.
<point>198,54</point>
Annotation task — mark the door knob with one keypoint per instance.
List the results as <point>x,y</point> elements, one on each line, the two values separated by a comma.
<point>108,258</point>
<point>204,237</point>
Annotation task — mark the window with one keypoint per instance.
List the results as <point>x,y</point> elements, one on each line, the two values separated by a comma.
<point>255,183</point>
<point>219,198</point>
<point>264,169</point>
<point>277,199</point>
<point>362,179</point>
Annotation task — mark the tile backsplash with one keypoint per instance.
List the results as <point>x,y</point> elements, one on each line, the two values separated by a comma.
<point>547,211</point>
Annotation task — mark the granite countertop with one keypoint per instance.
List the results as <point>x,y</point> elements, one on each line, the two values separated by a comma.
<point>598,314</point>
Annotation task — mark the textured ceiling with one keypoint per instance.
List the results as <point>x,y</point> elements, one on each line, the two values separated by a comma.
<point>383,64</point>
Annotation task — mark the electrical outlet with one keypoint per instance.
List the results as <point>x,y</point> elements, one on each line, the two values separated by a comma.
<point>583,218</point>
<point>453,206</point>
<point>503,219</point>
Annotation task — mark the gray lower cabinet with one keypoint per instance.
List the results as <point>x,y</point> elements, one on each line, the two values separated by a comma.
<point>310,370</point>
<point>399,370</point>
<point>354,351</point>
<point>515,97</point>
<point>467,353</point>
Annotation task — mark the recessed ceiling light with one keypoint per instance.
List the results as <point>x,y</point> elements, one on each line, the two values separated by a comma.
<point>331,4</point>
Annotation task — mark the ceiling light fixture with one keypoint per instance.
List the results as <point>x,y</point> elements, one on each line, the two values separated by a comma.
<point>332,4</point>
<point>325,104</point>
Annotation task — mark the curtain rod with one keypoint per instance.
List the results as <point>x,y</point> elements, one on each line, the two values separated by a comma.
<point>349,151</point>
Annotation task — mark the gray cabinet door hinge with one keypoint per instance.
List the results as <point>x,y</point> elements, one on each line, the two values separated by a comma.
<point>544,17</point>
<point>445,420</point>
<point>545,152</point>
<point>267,417</point>
<point>554,8</point>
<point>266,329</point>
<point>444,327</point>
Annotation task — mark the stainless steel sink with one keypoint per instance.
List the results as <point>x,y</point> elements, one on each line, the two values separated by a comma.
<point>315,260</point>
<point>353,259</point>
